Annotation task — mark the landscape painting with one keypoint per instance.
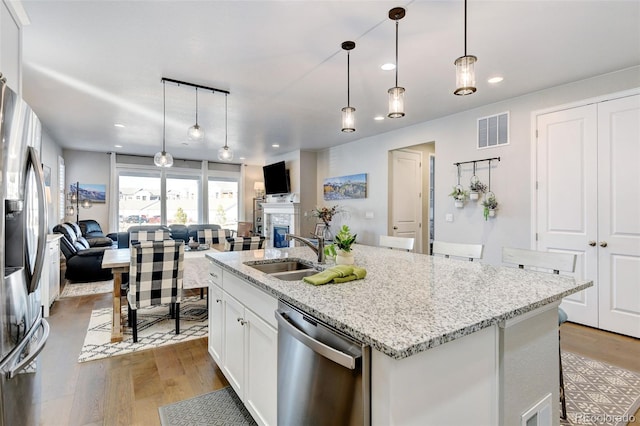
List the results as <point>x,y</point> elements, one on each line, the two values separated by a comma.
<point>345,187</point>
<point>97,193</point>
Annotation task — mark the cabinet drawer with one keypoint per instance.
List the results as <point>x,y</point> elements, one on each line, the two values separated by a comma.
<point>215,273</point>
<point>261,303</point>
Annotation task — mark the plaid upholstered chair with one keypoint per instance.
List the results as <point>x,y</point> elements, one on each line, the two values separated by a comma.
<point>240,243</point>
<point>148,233</point>
<point>155,278</point>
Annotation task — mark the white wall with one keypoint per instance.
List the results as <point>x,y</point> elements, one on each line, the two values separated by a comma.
<point>89,168</point>
<point>455,141</point>
<point>49,156</point>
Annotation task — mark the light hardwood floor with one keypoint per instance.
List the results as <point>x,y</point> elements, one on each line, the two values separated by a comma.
<point>128,389</point>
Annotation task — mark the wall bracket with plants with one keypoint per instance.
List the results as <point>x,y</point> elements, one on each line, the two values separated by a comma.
<point>476,189</point>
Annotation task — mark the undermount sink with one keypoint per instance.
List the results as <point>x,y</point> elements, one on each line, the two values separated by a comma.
<point>283,266</point>
<point>294,275</point>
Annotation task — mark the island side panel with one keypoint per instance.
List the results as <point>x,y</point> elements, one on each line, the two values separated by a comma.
<point>529,368</point>
<point>452,384</point>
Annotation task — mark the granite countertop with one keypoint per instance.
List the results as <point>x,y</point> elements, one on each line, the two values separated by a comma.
<point>408,302</point>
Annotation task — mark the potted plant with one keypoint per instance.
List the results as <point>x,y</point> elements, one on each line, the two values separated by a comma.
<point>476,188</point>
<point>459,195</point>
<point>490,206</point>
<point>341,247</point>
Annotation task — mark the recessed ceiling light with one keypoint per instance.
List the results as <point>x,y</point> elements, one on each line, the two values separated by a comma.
<point>494,80</point>
<point>388,67</point>
<point>117,146</point>
<point>242,158</point>
<point>275,145</point>
<point>378,118</point>
<point>118,125</point>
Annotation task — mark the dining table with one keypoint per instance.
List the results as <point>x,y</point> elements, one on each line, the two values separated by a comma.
<point>196,272</point>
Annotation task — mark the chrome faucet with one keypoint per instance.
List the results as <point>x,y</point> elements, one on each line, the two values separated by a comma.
<point>319,250</point>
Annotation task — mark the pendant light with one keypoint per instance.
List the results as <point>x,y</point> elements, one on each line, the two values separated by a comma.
<point>224,153</point>
<point>195,132</point>
<point>348,112</point>
<point>465,67</point>
<point>396,94</point>
<point>163,158</point>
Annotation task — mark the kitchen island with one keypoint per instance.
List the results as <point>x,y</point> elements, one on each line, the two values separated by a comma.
<point>453,342</point>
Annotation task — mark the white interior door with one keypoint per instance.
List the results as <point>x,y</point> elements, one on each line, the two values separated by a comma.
<point>567,198</point>
<point>406,192</point>
<point>619,215</point>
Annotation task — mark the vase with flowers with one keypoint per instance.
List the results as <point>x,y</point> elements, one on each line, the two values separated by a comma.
<point>326,214</point>
<point>341,247</point>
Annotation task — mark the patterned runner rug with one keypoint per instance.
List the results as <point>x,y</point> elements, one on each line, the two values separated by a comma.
<point>155,328</point>
<point>221,407</point>
<point>598,393</point>
<point>84,289</point>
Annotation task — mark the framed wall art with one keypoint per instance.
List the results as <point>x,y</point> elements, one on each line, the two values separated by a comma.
<point>345,187</point>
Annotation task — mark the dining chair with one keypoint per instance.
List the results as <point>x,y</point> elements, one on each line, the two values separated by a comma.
<point>156,272</point>
<point>402,243</point>
<point>446,249</point>
<point>245,229</point>
<point>551,261</point>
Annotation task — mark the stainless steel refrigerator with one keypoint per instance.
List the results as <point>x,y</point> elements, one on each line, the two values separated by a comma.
<point>23,233</point>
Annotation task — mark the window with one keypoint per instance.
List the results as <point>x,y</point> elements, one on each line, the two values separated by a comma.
<point>61,189</point>
<point>223,202</point>
<point>134,208</point>
<point>183,199</point>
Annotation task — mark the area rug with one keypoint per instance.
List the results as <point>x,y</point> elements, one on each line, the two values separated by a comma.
<point>155,328</point>
<point>85,289</point>
<point>221,407</point>
<point>598,393</point>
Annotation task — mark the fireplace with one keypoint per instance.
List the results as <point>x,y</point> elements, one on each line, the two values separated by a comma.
<point>279,233</point>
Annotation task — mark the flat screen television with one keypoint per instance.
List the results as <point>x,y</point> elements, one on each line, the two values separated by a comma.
<point>276,179</point>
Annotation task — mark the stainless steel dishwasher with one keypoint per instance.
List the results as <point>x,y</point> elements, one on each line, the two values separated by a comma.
<point>323,375</point>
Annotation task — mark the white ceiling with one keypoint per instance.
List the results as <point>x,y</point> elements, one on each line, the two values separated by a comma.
<point>90,64</point>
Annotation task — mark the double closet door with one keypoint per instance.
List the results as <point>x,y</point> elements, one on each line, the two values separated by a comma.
<point>588,203</point>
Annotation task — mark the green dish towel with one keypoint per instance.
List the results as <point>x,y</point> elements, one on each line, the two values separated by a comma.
<point>336,274</point>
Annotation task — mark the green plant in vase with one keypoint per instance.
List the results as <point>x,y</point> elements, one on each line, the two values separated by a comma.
<point>490,206</point>
<point>340,249</point>
<point>459,196</point>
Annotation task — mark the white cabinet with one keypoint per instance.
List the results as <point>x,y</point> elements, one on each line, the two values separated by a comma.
<point>243,340</point>
<point>50,279</point>
<point>216,323</point>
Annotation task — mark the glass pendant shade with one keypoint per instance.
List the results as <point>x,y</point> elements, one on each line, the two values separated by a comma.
<point>348,119</point>
<point>195,133</point>
<point>465,75</point>
<point>86,203</point>
<point>225,154</point>
<point>163,159</point>
<point>70,211</point>
<point>396,102</point>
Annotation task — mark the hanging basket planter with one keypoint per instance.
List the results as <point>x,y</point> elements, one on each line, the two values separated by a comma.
<point>459,196</point>
<point>476,188</point>
<point>490,205</point>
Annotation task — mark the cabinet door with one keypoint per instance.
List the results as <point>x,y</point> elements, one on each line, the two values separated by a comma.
<point>261,373</point>
<point>216,323</point>
<point>234,343</point>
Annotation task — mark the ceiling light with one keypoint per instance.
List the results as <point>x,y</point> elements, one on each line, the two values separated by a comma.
<point>275,145</point>
<point>388,67</point>
<point>494,80</point>
<point>117,146</point>
<point>396,94</point>
<point>195,132</point>
<point>348,112</point>
<point>225,153</point>
<point>163,158</point>
<point>118,125</point>
<point>378,118</point>
<point>465,67</point>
